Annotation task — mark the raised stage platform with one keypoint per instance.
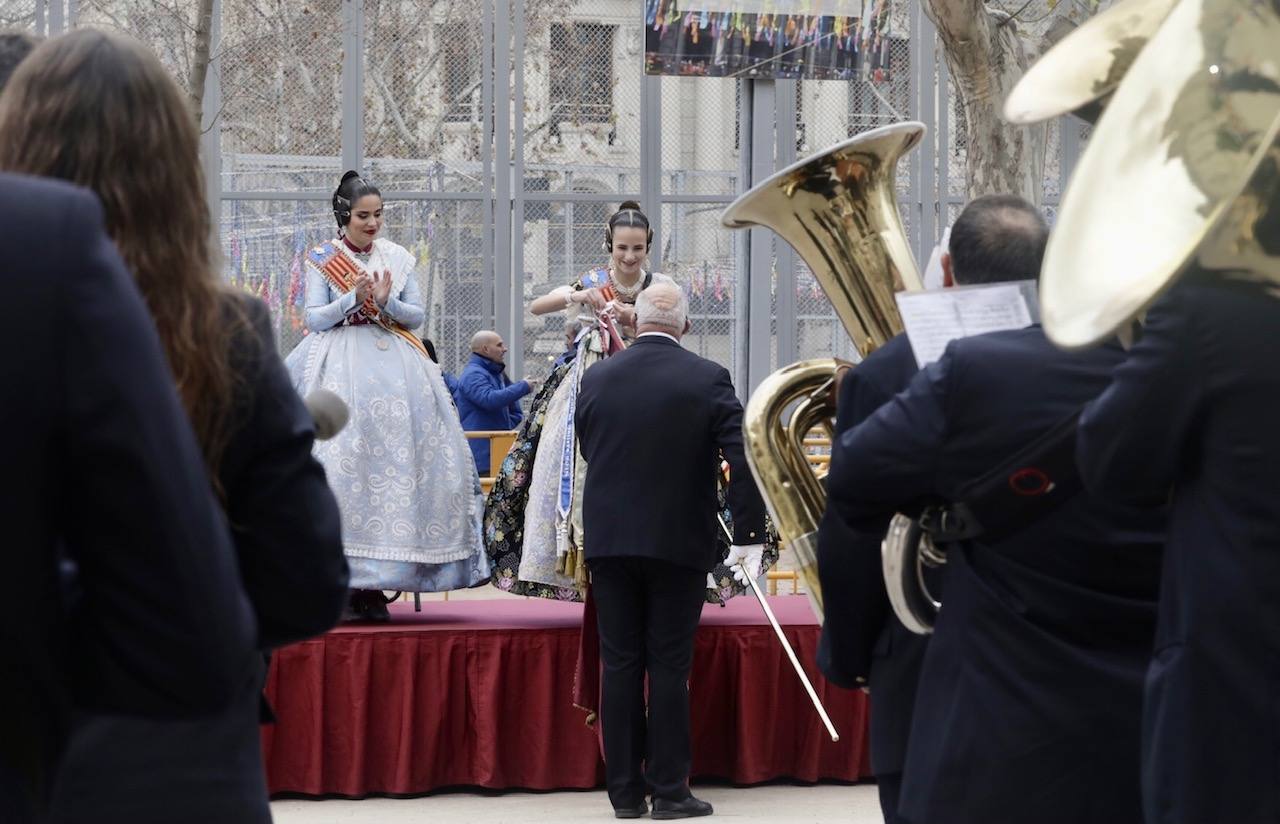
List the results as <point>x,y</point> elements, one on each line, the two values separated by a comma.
<point>480,693</point>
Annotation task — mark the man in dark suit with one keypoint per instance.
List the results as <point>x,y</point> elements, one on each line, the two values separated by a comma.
<point>1028,701</point>
<point>105,475</point>
<point>652,423</point>
<point>996,239</point>
<point>1194,413</point>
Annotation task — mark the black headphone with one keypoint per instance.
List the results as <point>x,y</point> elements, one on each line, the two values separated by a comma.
<point>342,205</point>
<point>608,231</point>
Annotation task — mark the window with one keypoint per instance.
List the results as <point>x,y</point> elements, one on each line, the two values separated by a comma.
<point>581,67</point>
<point>460,54</point>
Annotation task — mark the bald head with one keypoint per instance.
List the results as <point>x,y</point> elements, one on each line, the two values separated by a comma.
<point>662,308</point>
<point>490,345</point>
<point>997,238</point>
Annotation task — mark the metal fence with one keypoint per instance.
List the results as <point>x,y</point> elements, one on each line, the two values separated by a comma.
<point>503,134</point>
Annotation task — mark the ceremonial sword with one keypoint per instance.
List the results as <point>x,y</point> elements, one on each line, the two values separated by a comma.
<point>786,645</point>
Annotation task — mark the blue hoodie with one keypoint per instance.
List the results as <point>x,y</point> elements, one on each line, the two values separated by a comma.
<point>487,400</point>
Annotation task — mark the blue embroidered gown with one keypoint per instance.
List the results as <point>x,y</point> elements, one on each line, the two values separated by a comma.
<point>401,469</point>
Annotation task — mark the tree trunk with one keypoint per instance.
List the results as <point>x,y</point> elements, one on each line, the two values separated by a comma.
<point>200,59</point>
<point>987,58</point>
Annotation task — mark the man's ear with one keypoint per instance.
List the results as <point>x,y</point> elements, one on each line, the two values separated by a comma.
<point>688,324</point>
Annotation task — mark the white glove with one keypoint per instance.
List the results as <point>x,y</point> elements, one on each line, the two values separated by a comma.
<point>745,561</point>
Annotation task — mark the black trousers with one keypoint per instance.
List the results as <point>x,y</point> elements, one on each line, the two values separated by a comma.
<point>890,786</point>
<point>647,611</point>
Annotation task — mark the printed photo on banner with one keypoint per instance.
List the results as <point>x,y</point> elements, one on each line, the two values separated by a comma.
<point>765,39</point>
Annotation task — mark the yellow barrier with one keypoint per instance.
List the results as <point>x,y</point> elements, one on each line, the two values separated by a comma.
<point>499,445</point>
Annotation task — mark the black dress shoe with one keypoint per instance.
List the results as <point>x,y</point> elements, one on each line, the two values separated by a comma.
<point>691,807</point>
<point>376,609</point>
<point>639,811</point>
<point>355,608</point>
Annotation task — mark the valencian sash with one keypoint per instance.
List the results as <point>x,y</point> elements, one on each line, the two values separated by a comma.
<point>341,273</point>
<point>611,343</point>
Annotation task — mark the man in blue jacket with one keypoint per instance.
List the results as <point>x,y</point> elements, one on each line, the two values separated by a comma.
<point>486,397</point>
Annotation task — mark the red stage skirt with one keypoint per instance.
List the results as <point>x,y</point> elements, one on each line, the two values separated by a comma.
<point>479,693</point>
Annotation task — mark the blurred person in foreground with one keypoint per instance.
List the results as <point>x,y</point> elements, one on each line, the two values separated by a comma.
<point>1191,417</point>
<point>254,432</point>
<point>15,45</point>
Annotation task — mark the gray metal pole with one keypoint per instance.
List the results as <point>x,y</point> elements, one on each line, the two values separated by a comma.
<point>516,341</point>
<point>759,274</point>
<point>1069,148</point>
<point>352,83</point>
<point>742,243</point>
<point>211,128</point>
<point>57,24</point>
<point>42,28</point>
<point>487,112</point>
<point>651,161</point>
<point>784,309</point>
<point>944,147</point>
<point>503,318</point>
<point>925,224</point>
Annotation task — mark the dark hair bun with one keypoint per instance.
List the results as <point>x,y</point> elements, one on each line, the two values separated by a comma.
<point>350,174</point>
<point>629,204</point>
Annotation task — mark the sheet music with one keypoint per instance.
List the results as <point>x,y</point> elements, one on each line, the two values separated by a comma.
<point>935,318</point>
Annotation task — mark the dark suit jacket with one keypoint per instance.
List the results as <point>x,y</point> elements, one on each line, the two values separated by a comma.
<point>861,638</point>
<point>104,474</point>
<point>652,422</point>
<point>1030,695</point>
<point>1195,410</point>
<point>288,538</point>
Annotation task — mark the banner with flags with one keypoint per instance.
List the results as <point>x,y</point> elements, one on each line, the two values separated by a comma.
<point>817,39</point>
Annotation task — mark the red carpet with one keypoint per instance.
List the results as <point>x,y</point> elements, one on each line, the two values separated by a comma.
<point>479,693</point>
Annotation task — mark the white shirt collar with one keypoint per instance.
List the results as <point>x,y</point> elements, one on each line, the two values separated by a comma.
<point>657,335</point>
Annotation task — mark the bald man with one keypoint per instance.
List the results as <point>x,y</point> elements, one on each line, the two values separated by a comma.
<point>487,399</point>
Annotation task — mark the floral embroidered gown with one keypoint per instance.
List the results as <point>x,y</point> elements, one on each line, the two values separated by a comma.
<point>533,517</point>
<point>401,469</point>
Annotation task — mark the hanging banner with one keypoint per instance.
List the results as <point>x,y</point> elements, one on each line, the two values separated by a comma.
<point>768,39</point>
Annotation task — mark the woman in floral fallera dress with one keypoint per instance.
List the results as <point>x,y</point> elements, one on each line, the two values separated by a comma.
<point>533,518</point>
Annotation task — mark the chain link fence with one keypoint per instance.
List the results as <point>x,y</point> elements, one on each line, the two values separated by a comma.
<point>428,115</point>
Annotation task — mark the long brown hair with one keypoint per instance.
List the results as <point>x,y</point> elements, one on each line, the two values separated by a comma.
<point>98,109</point>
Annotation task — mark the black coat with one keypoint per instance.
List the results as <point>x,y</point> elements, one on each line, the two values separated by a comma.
<point>1029,699</point>
<point>104,473</point>
<point>861,638</point>
<point>652,423</point>
<point>1195,410</point>
<point>287,535</point>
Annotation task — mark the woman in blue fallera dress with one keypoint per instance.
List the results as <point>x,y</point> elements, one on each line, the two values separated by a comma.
<point>401,469</point>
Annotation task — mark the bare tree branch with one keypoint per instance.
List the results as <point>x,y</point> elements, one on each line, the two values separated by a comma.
<point>200,59</point>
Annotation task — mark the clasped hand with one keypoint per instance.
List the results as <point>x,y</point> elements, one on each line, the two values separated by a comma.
<point>377,286</point>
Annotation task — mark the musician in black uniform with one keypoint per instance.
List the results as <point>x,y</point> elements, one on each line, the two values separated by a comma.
<point>1194,413</point>
<point>997,238</point>
<point>1029,698</point>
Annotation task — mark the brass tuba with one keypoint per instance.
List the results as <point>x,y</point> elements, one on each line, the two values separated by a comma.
<point>1079,74</point>
<point>1182,170</point>
<point>839,210</point>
